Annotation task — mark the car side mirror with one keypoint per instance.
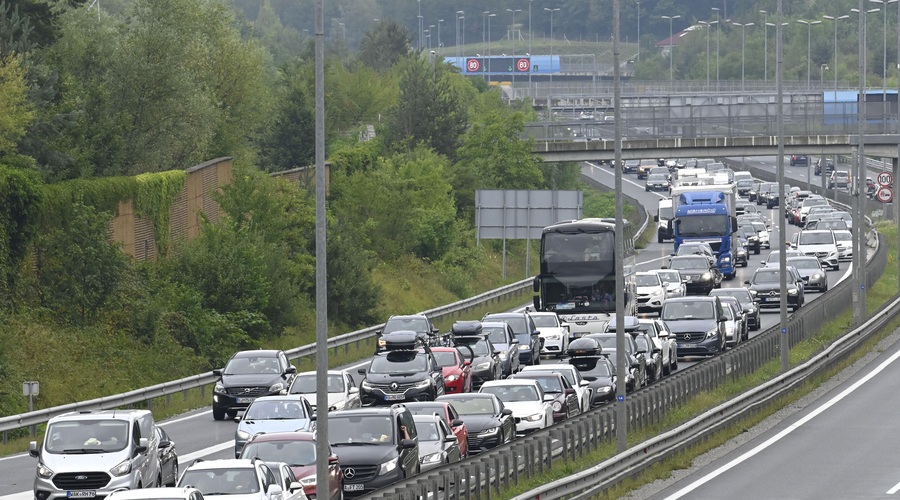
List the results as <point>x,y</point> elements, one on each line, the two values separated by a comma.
<point>456,423</point>
<point>408,444</point>
<point>747,282</point>
<point>535,333</point>
<point>570,391</point>
<point>295,486</point>
<point>291,370</point>
<point>237,419</point>
<point>142,447</point>
<point>354,390</point>
<point>361,371</point>
<point>273,490</point>
<point>655,218</point>
<point>584,383</point>
<point>467,362</point>
<point>496,352</point>
<point>217,372</point>
<point>664,267</point>
<point>163,444</point>
<point>514,341</point>
<point>663,334</point>
<point>33,449</point>
<point>506,411</point>
<point>450,439</point>
<point>333,460</point>
<point>549,397</point>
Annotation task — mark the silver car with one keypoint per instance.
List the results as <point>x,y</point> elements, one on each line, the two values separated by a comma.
<point>437,444</point>
<point>272,414</point>
<point>671,278</point>
<point>814,277</point>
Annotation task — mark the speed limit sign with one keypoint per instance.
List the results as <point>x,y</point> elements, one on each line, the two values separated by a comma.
<point>885,179</point>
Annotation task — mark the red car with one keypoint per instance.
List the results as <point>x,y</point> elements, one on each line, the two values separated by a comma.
<point>457,371</point>
<point>444,410</point>
<point>297,449</point>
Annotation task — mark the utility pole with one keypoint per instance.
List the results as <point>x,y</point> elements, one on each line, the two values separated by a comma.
<point>765,47</point>
<point>671,47</point>
<point>621,367</point>
<point>784,339</point>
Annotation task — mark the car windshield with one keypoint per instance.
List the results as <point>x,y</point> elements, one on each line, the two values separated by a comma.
<point>480,348</point>
<point>692,250</point>
<point>351,429</point>
<point>524,339</point>
<point>804,262</point>
<point>549,384</point>
<point>729,312</point>
<point>758,226</point>
<point>398,362</point>
<point>741,294</point>
<point>446,358</point>
<point>690,263</point>
<point>767,276</point>
<point>273,409</point>
<point>590,367</point>
<point>673,311</point>
<point>86,436</point>
<point>415,324</point>
<point>472,406</point>
<point>427,431</point>
<point>251,365</point>
<point>843,236</point>
<point>517,323</point>
<point>497,334</point>
<point>647,280</point>
<point>815,238</point>
<point>567,374</point>
<point>669,276</point>
<point>222,481</point>
<point>512,393</point>
<point>642,343</point>
<point>292,452</point>
<point>657,178</point>
<point>546,320</point>
<point>812,202</point>
<point>306,383</point>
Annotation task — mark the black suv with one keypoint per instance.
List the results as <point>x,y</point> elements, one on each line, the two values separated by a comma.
<point>377,446</point>
<point>799,160</point>
<point>247,376</point>
<point>699,274</point>
<point>418,323</point>
<point>404,371</point>
<point>829,165</point>
<point>526,331</point>
<point>765,287</point>
<point>698,324</point>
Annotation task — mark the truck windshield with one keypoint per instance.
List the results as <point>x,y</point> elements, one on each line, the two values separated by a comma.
<point>702,225</point>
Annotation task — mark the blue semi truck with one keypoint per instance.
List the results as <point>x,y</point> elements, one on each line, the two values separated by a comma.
<point>706,214</point>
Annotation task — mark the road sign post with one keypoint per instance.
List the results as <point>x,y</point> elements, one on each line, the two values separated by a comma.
<point>31,388</point>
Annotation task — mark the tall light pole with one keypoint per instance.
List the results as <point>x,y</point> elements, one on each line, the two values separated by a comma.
<point>743,29</point>
<point>809,25</point>
<point>671,46</point>
<point>439,33</point>
<point>514,29</point>
<point>530,36</point>
<point>717,46</point>
<point>489,16</point>
<point>483,24</point>
<point>835,19</point>
<point>884,48</point>
<point>708,29</point>
<point>459,29</point>
<point>551,11</point>
<point>765,46</point>
<point>419,26</point>
<point>822,69</point>
<point>639,32</point>
<point>897,164</point>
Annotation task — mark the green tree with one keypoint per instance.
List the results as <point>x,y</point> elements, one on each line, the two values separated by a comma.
<point>288,140</point>
<point>385,45</point>
<point>15,110</point>
<point>21,199</point>
<point>78,268</point>
<point>429,110</point>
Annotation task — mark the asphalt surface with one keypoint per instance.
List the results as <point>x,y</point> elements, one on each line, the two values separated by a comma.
<point>198,436</point>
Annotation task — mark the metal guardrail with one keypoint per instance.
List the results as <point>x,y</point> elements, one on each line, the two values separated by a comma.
<point>148,394</point>
<point>504,466</point>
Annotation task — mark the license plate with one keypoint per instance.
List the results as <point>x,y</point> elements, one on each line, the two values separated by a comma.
<point>244,401</point>
<point>81,494</point>
<point>684,346</point>
<point>773,299</point>
<point>394,397</point>
<point>353,487</point>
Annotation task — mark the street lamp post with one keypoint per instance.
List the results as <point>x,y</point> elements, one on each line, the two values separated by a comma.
<point>809,25</point>
<point>717,46</point>
<point>551,11</point>
<point>430,31</point>
<point>489,16</point>
<point>743,27</point>
<point>439,33</point>
<point>530,91</point>
<point>427,39</point>
<point>822,69</point>
<point>765,46</point>
<point>483,24</point>
<point>514,44</point>
<point>639,32</point>
<point>835,19</point>
<point>708,28</point>
<point>419,26</point>
<point>884,48</point>
<point>671,46</point>
<point>459,29</point>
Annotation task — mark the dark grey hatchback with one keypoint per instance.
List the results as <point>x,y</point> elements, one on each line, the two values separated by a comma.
<point>526,332</point>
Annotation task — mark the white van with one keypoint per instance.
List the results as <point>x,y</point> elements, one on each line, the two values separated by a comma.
<point>89,454</point>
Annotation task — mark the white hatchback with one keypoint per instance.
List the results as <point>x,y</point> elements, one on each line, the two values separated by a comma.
<point>530,406</point>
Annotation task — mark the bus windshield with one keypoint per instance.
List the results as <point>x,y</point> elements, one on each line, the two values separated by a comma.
<point>579,271</point>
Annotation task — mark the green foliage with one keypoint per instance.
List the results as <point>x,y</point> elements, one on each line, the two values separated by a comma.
<point>103,194</point>
<point>358,157</point>
<point>21,200</point>
<point>79,268</point>
<point>429,110</point>
<point>15,110</point>
<point>288,140</point>
<point>384,45</point>
<point>353,294</point>
<point>156,193</point>
<point>599,204</point>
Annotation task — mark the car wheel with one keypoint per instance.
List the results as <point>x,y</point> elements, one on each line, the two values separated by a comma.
<point>174,474</point>
<point>218,414</point>
<point>756,252</point>
<point>837,267</point>
<point>659,238</point>
<point>159,480</point>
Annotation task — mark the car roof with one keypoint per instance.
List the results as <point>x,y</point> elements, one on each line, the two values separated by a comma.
<point>329,372</point>
<point>368,410</point>
<point>508,382</point>
<point>424,417</point>
<point>153,493</point>
<point>280,397</point>
<point>128,414</point>
<point>494,324</point>
<point>692,298</point>
<point>464,395</point>
<point>264,437</point>
<point>223,463</point>
<point>257,353</point>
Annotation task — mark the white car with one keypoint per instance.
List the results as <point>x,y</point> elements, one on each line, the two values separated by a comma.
<point>343,393</point>
<point>238,479</point>
<point>844,240</point>
<point>581,386</point>
<point>658,332</point>
<point>554,333</point>
<point>651,293</point>
<point>820,244</point>
<point>671,278</point>
<point>157,493</point>
<point>531,408</point>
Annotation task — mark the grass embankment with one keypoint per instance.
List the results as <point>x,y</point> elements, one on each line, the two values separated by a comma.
<point>884,290</point>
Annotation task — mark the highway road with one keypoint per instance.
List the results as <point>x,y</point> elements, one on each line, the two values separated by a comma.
<point>198,436</point>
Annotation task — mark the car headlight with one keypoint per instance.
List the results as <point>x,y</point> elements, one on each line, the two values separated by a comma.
<point>753,292</point>
<point>706,277</point>
<point>793,291</point>
<point>557,406</point>
<point>816,276</point>
<point>219,387</point>
<point>657,292</point>
<point>433,458</point>
<point>277,387</point>
<point>43,471</point>
<point>423,384</point>
<point>452,378</point>
<point>492,430</point>
<point>483,366</point>
<point>308,480</point>
<point>241,434</point>
<point>366,385</point>
<point>552,337</point>
<point>388,466</point>
<point>535,417</point>
<point>604,390</point>
<point>503,356</point>
<point>712,333</point>
<point>726,260</point>
<point>121,469</point>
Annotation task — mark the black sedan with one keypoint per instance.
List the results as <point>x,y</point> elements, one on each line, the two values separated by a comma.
<point>636,358</point>
<point>168,458</point>
<point>698,274</point>
<point>594,367</point>
<point>488,422</point>
<point>656,182</point>
<point>814,277</point>
<point>748,235</point>
<point>765,287</point>
<point>751,309</point>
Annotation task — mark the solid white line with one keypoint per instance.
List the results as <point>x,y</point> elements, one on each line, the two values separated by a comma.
<point>893,490</point>
<point>774,439</point>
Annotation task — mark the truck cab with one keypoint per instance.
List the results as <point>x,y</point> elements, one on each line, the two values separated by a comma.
<point>664,215</point>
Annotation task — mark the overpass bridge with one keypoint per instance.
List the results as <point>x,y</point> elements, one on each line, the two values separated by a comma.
<point>715,125</point>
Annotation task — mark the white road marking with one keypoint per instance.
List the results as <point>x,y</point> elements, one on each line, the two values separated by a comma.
<point>774,439</point>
